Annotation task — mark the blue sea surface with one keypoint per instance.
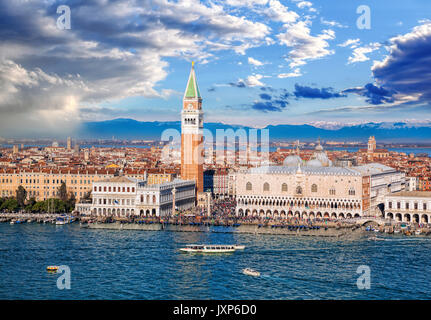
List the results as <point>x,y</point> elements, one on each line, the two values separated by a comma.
<point>122,264</point>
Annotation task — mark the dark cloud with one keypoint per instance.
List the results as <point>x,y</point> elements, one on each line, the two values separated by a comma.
<point>114,50</point>
<point>316,93</point>
<point>407,68</point>
<point>269,106</point>
<point>375,95</point>
<point>239,84</point>
<point>265,96</point>
<point>403,77</point>
<point>271,103</point>
<point>270,89</point>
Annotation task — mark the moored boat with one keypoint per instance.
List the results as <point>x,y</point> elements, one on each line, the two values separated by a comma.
<point>60,221</point>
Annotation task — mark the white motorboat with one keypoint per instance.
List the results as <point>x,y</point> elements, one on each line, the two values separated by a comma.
<point>376,239</point>
<point>209,248</point>
<point>60,221</point>
<point>251,272</point>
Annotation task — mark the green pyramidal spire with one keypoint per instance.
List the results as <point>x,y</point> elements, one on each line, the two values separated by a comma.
<point>192,90</point>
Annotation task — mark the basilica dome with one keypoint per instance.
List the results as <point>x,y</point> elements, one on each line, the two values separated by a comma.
<point>292,161</point>
<point>319,158</point>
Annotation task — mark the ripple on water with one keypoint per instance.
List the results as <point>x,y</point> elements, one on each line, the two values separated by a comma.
<point>110,264</point>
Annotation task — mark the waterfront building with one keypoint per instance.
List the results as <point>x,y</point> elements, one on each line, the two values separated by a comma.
<point>44,184</point>
<point>384,181</point>
<point>216,181</point>
<point>122,196</point>
<point>302,191</point>
<point>409,206</point>
<point>315,189</point>
<point>192,152</point>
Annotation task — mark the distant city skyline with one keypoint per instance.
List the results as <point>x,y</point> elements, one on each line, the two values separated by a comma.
<point>260,62</point>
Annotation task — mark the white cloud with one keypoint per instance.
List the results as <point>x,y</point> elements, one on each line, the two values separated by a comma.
<point>255,62</point>
<point>305,46</point>
<point>254,80</point>
<point>331,23</point>
<point>352,43</point>
<point>304,4</point>
<point>359,53</point>
<point>295,73</point>
<point>278,12</point>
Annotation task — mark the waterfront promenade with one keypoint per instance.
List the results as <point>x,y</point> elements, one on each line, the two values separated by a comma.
<point>289,226</point>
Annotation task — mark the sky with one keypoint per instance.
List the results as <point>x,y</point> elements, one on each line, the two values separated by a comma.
<point>258,62</point>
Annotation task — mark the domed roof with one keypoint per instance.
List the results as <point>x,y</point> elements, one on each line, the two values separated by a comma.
<point>319,158</point>
<point>319,147</point>
<point>292,161</point>
<point>314,163</point>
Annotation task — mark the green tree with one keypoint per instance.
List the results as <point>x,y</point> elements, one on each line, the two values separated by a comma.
<point>40,206</point>
<point>30,204</point>
<point>71,202</point>
<point>10,204</point>
<point>62,191</point>
<point>21,195</point>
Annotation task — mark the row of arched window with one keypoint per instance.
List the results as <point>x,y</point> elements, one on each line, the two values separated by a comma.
<point>189,121</point>
<point>266,187</point>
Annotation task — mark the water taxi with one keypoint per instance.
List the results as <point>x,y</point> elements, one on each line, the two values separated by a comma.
<point>251,272</point>
<point>211,248</point>
<point>376,239</point>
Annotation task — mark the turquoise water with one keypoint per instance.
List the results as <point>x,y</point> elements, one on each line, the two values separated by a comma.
<point>110,264</point>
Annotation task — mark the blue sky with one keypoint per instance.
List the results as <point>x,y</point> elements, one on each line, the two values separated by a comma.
<point>258,62</point>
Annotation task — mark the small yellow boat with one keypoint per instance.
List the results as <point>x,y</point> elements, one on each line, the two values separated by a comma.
<point>52,268</point>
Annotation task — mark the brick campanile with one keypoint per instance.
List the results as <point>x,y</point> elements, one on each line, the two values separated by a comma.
<point>192,122</point>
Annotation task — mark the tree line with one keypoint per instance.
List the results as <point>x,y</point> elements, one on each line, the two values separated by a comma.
<point>64,202</point>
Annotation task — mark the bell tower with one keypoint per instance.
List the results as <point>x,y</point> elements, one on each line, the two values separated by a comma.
<point>192,133</point>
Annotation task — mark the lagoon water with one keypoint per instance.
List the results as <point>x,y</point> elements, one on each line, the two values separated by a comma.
<point>112,264</point>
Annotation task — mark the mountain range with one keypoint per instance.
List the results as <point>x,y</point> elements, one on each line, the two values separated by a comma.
<point>384,131</point>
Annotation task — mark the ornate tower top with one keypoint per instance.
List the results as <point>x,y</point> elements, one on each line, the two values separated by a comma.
<point>192,90</point>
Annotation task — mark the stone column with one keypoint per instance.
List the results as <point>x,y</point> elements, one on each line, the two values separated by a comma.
<point>173,200</point>
<point>209,204</point>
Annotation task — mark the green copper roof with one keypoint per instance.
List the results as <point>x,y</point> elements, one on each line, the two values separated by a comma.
<point>192,90</point>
